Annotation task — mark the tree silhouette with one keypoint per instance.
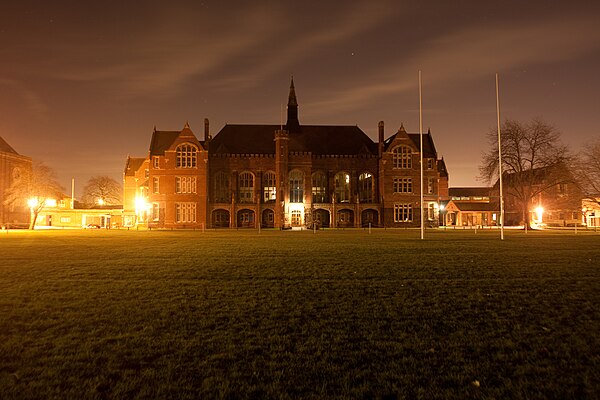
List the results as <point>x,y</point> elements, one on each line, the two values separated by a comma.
<point>34,188</point>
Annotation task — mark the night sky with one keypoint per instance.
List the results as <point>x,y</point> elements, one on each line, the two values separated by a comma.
<point>82,84</point>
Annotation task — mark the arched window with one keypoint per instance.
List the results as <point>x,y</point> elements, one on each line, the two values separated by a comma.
<point>366,188</point>
<point>319,188</point>
<point>342,187</point>
<point>221,188</point>
<point>402,157</point>
<point>246,187</point>
<point>269,190</point>
<point>296,187</point>
<point>221,218</point>
<point>186,156</point>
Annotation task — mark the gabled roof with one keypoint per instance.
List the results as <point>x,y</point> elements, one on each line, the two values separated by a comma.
<point>316,139</point>
<point>469,191</point>
<point>428,146</point>
<point>6,148</point>
<point>132,165</point>
<point>161,141</point>
<point>441,167</point>
<point>471,206</point>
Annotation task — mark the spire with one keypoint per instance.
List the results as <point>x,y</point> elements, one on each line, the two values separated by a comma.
<point>292,125</point>
<point>292,101</point>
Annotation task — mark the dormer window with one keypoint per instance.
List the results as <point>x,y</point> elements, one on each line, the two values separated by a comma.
<point>186,156</point>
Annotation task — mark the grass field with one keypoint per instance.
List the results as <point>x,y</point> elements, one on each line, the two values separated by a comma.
<point>336,314</point>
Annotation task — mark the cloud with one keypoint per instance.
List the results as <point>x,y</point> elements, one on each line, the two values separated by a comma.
<point>160,61</point>
<point>32,101</point>
<point>472,53</point>
<point>304,42</point>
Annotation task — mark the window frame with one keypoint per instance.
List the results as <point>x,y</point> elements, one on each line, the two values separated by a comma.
<point>402,157</point>
<point>403,212</point>
<point>186,156</point>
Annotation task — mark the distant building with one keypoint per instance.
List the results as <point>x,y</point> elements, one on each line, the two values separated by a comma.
<point>556,200</point>
<point>12,166</point>
<point>470,206</point>
<point>284,177</point>
<point>65,213</point>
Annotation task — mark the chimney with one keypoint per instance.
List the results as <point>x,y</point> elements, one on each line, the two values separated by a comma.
<point>381,136</point>
<point>207,136</point>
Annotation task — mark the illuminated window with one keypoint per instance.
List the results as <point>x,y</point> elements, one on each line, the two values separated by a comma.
<point>431,212</point>
<point>221,188</point>
<point>403,213</point>
<point>155,162</point>
<point>296,218</point>
<point>269,190</point>
<point>155,187</point>
<point>366,188</point>
<point>430,163</point>
<point>155,211</point>
<point>186,156</point>
<point>296,186</point>
<point>246,187</point>
<point>65,219</point>
<point>185,184</point>
<point>185,212</point>
<point>319,188</point>
<point>402,157</point>
<point>403,185</point>
<point>342,187</point>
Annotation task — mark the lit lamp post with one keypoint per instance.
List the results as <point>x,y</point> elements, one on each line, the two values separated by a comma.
<point>540,213</point>
<point>141,209</point>
<point>32,203</point>
<point>442,208</point>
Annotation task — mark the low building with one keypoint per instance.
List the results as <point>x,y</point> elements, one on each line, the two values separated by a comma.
<point>64,213</point>
<point>470,206</point>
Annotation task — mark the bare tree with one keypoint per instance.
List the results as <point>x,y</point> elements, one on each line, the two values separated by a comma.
<point>588,169</point>
<point>102,190</point>
<point>34,188</point>
<point>533,160</point>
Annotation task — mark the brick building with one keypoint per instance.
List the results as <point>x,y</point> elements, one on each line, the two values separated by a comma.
<point>283,176</point>
<point>12,166</point>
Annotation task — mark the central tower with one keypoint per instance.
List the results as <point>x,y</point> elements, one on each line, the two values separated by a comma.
<point>292,125</point>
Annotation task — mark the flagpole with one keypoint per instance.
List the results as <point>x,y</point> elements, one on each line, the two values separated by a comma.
<point>421,154</point>
<point>500,163</point>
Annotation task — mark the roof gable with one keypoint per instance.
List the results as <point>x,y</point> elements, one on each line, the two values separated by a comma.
<point>6,148</point>
<point>166,140</point>
<point>132,165</point>
<point>412,139</point>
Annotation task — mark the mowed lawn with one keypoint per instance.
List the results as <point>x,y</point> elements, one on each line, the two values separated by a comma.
<point>336,314</point>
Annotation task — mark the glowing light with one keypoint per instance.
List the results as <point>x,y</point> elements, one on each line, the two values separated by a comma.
<point>540,212</point>
<point>442,207</point>
<point>100,202</point>
<point>296,207</point>
<point>50,203</point>
<point>32,202</point>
